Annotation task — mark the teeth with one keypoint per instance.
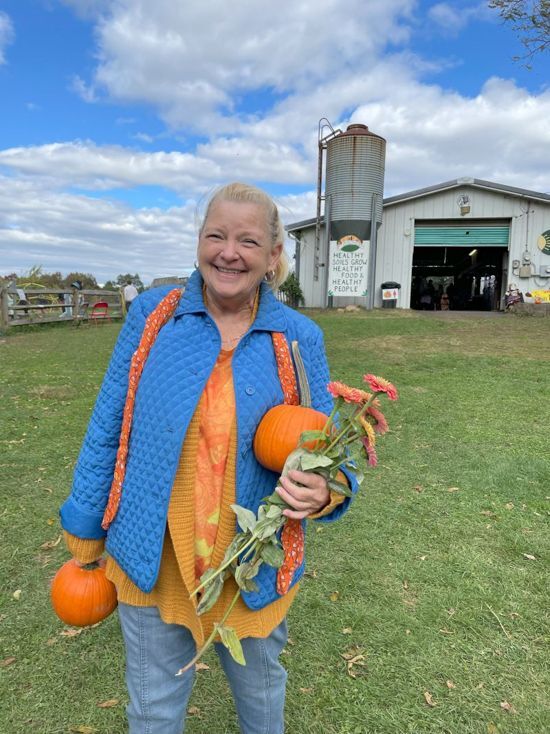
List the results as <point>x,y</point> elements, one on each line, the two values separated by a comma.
<point>226,270</point>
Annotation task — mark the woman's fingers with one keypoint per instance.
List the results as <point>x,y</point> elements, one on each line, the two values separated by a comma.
<point>305,492</point>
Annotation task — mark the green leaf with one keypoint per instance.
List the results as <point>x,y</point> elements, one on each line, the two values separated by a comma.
<point>293,461</point>
<point>313,436</point>
<point>246,518</point>
<point>267,527</point>
<point>230,640</point>
<point>245,572</point>
<point>274,511</point>
<point>273,555</point>
<point>210,593</point>
<point>339,487</point>
<point>311,461</point>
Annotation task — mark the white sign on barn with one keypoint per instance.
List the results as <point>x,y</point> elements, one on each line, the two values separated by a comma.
<point>348,266</point>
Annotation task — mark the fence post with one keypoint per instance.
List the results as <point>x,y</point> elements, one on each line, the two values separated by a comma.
<point>4,313</point>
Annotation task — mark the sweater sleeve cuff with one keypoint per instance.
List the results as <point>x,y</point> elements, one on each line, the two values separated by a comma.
<point>83,549</point>
<point>335,499</point>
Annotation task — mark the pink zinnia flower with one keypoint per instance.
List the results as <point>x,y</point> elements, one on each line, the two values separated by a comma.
<point>379,384</point>
<point>371,451</point>
<point>381,425</point>
<point>350,394</point>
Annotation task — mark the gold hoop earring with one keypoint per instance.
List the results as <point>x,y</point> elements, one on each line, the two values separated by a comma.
<point>270,276</point>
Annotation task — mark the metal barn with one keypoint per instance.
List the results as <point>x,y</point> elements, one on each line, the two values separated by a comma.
<point>464,240</point>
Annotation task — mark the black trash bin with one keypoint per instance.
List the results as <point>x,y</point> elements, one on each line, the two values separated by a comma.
<point>390,293</point>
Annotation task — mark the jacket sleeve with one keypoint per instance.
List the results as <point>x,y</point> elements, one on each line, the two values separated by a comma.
<point>316,365</point>
<point>82,512</point>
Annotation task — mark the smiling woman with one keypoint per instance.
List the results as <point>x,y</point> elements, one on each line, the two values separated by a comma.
<point>191,377</point>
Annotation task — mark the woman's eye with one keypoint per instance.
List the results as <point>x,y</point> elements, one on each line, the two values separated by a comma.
<point>214,236</point>
<point>250,242</point>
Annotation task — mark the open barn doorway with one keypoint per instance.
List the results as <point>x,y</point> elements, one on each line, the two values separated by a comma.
<point>458,278</point>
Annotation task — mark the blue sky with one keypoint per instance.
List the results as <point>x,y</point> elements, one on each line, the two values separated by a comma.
<point>120,116</point>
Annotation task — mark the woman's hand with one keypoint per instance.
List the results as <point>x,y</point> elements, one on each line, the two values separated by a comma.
<point>306,493</point>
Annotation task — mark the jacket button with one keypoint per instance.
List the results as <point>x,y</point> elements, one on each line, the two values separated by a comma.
<point>250,390</point>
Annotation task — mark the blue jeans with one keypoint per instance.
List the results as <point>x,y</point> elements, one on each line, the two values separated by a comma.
<point>158,699</point>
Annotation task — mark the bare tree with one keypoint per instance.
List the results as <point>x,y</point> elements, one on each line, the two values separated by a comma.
<point>531,21</point>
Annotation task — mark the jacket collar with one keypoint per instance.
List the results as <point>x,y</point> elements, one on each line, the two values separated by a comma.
<point>270,317</point>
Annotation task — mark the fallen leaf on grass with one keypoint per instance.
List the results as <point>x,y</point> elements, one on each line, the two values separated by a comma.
<point>445,631</point>
<point>423,558</point>
<point>347,631</point>
<point>83,729</point>
<point>509,505</point>
<point>50,520</point>
<point>16,594</point>
<point>306,690</point>
<point>418,488</point>
<point>202,666</point>
<point>49,544</point>
<point>51,641</point>
<point>72,632</point>
<point>193,711</point>
<point>334,596</point>
<point>514,615</point>
<point>505,706</point>
<point>319,529</point>
<point>488,513</point>
<point>529,556</point>
<point>405,584</point>
<point>450,684</point>
<point>354,657</point>
<point>312,574</point>
<point>429,699</point>
<point>453,489</point>
<point>492,728</point>
<point>108,704</point>
<point>7,661</point>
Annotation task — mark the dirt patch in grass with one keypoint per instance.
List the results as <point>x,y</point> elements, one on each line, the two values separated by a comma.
<point>485,338</point>
<point>52,392</point>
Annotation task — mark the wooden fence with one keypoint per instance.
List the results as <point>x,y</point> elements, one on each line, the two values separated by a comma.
<point>20,307</point>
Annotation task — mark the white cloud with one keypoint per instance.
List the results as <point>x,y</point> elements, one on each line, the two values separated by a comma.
<point>66,232</point>
<point>191,60</point>
<point>452,19</point>
<point>7,34</point>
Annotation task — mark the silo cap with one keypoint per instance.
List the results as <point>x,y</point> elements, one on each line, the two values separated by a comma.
<point>357,128</point>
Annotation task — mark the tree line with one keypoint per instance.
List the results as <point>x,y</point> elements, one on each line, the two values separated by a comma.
<point>37,277</point>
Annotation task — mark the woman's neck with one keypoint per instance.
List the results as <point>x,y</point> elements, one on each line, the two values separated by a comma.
<point>239,310</point>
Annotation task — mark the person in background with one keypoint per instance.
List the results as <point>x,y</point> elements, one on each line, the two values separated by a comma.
<point>212,370</point>
<point>130,293</point>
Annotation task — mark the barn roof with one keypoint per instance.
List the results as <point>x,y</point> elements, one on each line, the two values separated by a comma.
<point>447,185</point>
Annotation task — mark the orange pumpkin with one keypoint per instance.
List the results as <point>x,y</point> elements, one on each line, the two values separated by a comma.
<point>279,433</point>
<point>82,595</point>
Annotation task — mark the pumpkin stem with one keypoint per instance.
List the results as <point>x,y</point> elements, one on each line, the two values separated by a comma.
<point>303,384</point>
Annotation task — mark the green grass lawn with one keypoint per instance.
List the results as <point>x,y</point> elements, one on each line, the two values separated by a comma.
<point>433,588</point>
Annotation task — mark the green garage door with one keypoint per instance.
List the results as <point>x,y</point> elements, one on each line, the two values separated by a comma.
<point>461,236</point>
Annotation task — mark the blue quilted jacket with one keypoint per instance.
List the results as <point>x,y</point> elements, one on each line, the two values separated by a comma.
<point>171,384</point>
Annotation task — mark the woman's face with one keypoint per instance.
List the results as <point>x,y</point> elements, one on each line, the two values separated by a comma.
<point>235,250</point>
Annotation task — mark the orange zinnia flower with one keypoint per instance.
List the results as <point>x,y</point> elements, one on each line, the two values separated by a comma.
<point>379,384</point>
<point>350,394</point>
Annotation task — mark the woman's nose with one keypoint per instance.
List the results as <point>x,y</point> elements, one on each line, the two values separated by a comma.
<point>230,250</point>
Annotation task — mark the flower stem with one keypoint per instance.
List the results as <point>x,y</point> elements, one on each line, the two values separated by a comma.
<point>212,636</point>
<point>223,567</point>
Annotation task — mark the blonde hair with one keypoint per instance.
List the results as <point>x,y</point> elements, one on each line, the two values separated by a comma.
<point>241,192</point>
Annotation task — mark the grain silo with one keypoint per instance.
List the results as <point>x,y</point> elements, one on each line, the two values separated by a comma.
<point>354,181</point>
<point>354,186</point>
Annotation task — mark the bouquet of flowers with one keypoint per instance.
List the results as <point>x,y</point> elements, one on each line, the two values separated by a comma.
<point>323,451</point>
